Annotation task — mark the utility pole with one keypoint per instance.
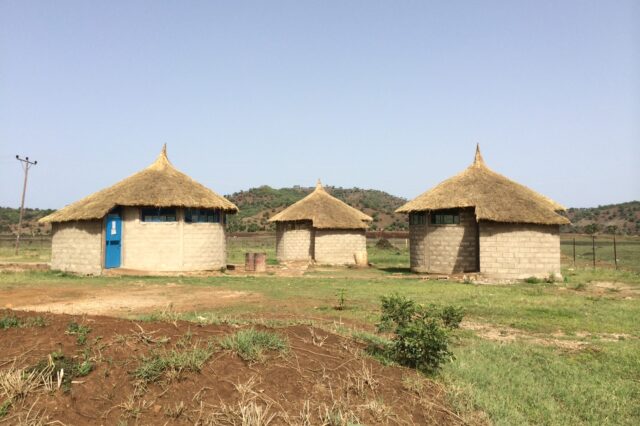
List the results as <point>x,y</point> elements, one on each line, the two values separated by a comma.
<point>26,165</point>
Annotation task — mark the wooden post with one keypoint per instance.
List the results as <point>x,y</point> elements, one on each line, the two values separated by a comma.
<point>615,251</point>
<point>593,247</point>
<point>574,252</point>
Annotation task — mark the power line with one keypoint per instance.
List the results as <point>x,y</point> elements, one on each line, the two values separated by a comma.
<point>26,165</point>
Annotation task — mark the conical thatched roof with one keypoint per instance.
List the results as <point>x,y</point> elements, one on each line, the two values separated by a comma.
<point>494,197</point>
<point>324,211</point>
<point>159,185</point>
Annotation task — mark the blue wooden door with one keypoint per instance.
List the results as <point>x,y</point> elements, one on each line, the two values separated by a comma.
<point>113,241</point>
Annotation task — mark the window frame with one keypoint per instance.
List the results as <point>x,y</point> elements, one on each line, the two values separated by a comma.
<point>418,218</point>
<point>162,212</point>
<point>438,218</point>
<point>211,215</point>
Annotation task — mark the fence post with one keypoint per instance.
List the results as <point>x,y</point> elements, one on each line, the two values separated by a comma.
<point>615,251</point>
<point>593,247</point>
<point>574,252</point>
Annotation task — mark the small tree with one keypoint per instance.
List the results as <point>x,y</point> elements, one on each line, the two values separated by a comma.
<point>421,333</point>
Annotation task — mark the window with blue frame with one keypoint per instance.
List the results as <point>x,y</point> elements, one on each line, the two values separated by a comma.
<point>158,214</point>
<point>450,217</point>
<point>202,216</point>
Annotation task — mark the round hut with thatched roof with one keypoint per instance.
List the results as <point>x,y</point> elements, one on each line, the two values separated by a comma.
<point>322,228</point>
<point>480,221</point>
<point>158,219</point>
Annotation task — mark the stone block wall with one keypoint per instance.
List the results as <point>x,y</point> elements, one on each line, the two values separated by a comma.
<point>294,241</point>
<point>338,247</point>
<point>77,247</point>
<point>516,251</point>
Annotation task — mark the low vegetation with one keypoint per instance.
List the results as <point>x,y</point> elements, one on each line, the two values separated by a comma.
<point>11,321</point>
<point>251,344</point>
<point>171,364</point>
<point>80,331</point>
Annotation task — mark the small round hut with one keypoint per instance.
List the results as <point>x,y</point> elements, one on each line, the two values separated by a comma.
<point>158,219</point>
<point>481,221</point>
<point>322,228</point>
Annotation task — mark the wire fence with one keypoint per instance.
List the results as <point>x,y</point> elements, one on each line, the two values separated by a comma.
<point>601,251</point>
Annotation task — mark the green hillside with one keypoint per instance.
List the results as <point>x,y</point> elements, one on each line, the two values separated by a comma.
<point>9,220</point>
<point>257,205</point>
<point>623,218</point>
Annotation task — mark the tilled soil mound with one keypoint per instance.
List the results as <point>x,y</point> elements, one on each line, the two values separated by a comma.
<point>125,372</point>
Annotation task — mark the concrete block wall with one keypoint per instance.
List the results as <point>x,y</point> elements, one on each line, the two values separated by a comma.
<point>516,251</point>
<point>338,247</point>
<point>418,247</point>
<point>151,246</point>
<point>445,249</point>
<point>204,246</point>
<point>171,246</point>
<point>453,248</point>
<point>77,247</point>
<point>294,241</point>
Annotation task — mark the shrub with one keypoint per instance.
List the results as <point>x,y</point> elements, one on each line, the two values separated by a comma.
<point>422,344</point>
<point>421,338</point>
<point>452,316</point>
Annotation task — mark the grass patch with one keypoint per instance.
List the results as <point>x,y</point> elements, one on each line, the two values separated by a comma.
<point>59,367</point>
<point>171,364</point>
<point>521,383</point>
<point>251,344</point>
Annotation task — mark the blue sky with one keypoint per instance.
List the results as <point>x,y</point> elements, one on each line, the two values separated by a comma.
<point>388,95</point>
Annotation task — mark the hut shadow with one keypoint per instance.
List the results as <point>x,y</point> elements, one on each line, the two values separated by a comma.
<point>396,270</point>
<point>468,255</point>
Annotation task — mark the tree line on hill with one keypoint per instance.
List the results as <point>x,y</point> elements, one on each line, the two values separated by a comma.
<point>257,205</point>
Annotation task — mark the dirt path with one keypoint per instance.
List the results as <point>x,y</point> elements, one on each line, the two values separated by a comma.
<point>119,301</point>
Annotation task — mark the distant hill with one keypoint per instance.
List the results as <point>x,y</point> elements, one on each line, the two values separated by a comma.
<point>257,205</point>
<point>623,218</point>
<point>9,221</point>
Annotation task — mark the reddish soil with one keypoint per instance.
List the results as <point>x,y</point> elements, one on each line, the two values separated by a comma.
<point>322,375</point>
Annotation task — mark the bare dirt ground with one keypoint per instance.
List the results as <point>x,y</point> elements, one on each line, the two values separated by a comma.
<point>560,340</point>
<point>114,376</point>
<point>138,298</point>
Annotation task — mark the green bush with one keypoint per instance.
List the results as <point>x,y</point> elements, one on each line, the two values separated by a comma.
<point>420,333</point>
<point>422,344</point>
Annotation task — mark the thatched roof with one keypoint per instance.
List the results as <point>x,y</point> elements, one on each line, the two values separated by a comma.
<point>324,211</point>
<point>159,185</point>
<point>494,197</point>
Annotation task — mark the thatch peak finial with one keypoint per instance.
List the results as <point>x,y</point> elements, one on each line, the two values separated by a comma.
<point>478,160</point>
<point>162,161</point>
<point>319,184</point>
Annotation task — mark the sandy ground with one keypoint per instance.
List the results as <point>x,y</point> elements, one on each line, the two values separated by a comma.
<point>138,298</point>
